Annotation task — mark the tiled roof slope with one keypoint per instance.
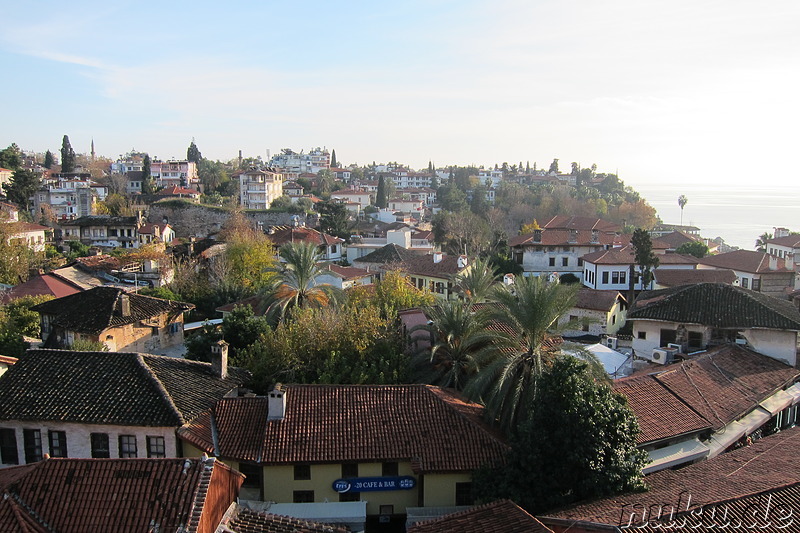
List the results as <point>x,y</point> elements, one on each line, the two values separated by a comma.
<point>792,241</point>
<point>367,423</point>
<point>733,307</point>
<point>502,516</point>
<point>100,308</point>
<point>597,300</point>
<point>676,238</point>
<point>424,265</point>
<point>672,277</point>
<point>565,237</point>
<point>110,388</point>
<point>120,495</point>
<point>581,223</point>
<point>282,235</point>
<point>391,253</point>
<point>742,260</point>
<point>102,220</point>
<point>240,519</point>
<point>45,285</point>
<point>726,383</point>
<point>661,415</point>
<point>767,464</point>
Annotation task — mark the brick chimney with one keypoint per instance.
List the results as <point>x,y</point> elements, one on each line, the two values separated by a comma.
<point>276,403</point>
<point>219,358</point>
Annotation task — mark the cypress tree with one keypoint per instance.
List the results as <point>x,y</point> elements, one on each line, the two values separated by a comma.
<point>380,197</point>
<point>67,156</point>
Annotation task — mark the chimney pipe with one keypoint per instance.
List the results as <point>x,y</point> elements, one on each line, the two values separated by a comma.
<point>219,359</point>
<point>124,305</point>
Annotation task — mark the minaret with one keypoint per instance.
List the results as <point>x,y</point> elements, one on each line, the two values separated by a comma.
<point>92,148</point>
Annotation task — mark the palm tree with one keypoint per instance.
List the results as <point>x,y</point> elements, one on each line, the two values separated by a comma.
<point>296,285</point>
<point>761,242</point>
<point>527,315</point>
<point>477,282</point>
<point>682,202</point>
<point>459,341</point>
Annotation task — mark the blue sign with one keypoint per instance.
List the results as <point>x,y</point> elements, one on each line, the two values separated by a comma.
<point>374,484</point>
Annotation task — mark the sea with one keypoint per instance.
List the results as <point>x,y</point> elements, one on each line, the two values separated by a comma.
<point>739,215</point>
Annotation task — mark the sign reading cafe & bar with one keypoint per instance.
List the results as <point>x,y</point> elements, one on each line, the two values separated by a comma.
<point>372,484</point>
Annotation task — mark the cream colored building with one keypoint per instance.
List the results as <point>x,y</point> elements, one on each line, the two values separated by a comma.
<point>259,188</point>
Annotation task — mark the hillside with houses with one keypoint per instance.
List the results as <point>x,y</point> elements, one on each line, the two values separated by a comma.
<point>300,344</point>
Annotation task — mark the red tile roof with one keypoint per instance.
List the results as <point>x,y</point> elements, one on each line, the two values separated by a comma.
<point>45,285</point>
<point>502,516</point>
<point>565,237</point>
<point>744,261</point>
<point>367,423</point>
<point>792,241</point>
<point>581,223</point>
<point>767,464</point>
<point>348,272</point>
<point>120,495</point>
<point>597,300</point>
<point>673,277</point>
<point>174,190</point>
<point>240,519</point>
<point>283,234</point>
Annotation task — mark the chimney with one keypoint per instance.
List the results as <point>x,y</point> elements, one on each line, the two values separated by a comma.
<point>276,403</point>
<point>595,236</point>
<point>462,261</point>
<point>124,305</point>
<point>508,279</point>
<point>573,236</point>
<point>437,257</point>
<point>537,235</point>
<point>219,359</point>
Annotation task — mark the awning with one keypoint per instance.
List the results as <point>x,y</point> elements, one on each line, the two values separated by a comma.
<point>722,439</point>
<point>669,456</point>
<point>777,402</point>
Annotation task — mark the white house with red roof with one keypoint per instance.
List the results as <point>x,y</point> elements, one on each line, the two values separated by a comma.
<point>34,236</point>
<point>362,198</point>
<point>757,271</point>
<point>611,269</point>
<point>330,247</point>
<point>176,191</point>
<point>156,233</point>
<point>345,277</point>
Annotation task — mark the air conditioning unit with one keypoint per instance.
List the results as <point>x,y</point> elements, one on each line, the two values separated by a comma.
<point>676,346</point>
<point>611,342</point>
<point>664,356</point>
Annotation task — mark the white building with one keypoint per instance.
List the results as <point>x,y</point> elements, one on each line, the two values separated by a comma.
<point>312,162</point>
<point>259,188</point>
<point>174,172</point>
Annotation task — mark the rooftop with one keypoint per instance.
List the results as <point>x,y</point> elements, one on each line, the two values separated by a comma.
<point>502,516</point>
<point>434,428</point>
<point>744,261</point>
<point>111,388</point>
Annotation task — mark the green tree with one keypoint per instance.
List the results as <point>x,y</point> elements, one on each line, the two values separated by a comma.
<point>393,292</point>
<point>460,343</point>
<point>334,162</point>
<point>11,157</point>
<point>333,218</point>
<point>479,204</point>
<point>148,185</point>
<point>644,257</point>
<point>452,198</point>
<point>67,156</point>
<point>529,310</point>
<point>554,166</point>
<point>579,443</point>
<point>761,242</point>
<point>18,321</point>
<point>476,283</point>
<point>682,200</point>
<point>193,154</point>
<point>381,200</point>
<point>24,183</point>
<point>296,284</point>
<point>695,248</point>
<point>48,159</point>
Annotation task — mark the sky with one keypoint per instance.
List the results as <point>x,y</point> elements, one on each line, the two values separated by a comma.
<point>677,91</point>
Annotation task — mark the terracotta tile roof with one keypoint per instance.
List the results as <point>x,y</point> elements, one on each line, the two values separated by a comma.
<point>502,516</point>
<point>672,277</point>
<point>613,256</point>
<point>8,360</point>
<point>386,255</point>
<point>598,300</point>
<point>367,423</point>
<point>348,272</point>
<point>240,519</point>
<point>734,307</point>
<point>677,259</point>
<point>424,265</point>
<point>100,308</point>
<point>286,234</point>
<point>726,383</point>
<point>676,238</point>
<point>174,190</point>
<point>102,220</point>
<point>565,237</point>
<point>792,241</point>
<point>148,229</point>
<point>120,495</point>
<point>45,285</point>
<point>661,414</point>
<point>767,464</point>
<point>27,227</point>
<point>111,388</point>
<point>102,262</point>
<point>744,261</point>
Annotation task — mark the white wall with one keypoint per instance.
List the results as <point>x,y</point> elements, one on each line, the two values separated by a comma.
<point>780,345</point>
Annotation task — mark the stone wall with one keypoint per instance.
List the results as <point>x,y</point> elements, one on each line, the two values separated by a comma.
<point>189,220</point>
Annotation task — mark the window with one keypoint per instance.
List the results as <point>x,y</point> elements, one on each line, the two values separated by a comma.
<point>623,277</point>
<point>389,469</point>
<point>58,443</point>
<point>464,494</point>
<point>127,446</point>
<point>642,335</point>
<point>156,447</point>
<point>33,445</point>
<point>350,470</point>
<point>744,283</point>
<point>564,261</point>
<point>303,496</point>
<point>552,261</point>
<point>349,496</point>
<point>8,446</point>
<point>100,449</point>
<point>580,262</point>
<point>757,285</point>
<point>252,473</point>
<point>696,340</point>
<point>302,472</point>
<point>605,277</point>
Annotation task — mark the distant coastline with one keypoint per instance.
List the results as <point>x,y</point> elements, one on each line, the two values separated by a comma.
<point>737,214</point>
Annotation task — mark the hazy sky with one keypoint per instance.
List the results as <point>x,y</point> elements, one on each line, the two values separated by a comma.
<point>677,90</point>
